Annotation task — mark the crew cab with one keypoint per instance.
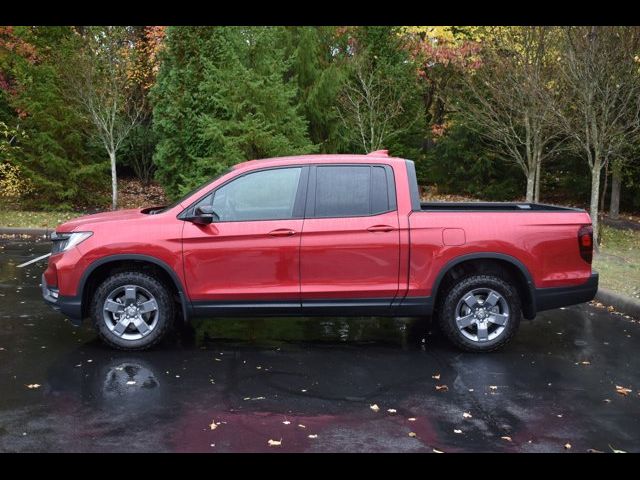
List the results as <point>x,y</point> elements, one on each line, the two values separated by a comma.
<point>320,235</point>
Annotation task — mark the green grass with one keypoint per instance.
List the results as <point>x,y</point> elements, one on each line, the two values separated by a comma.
<point>27,219</point>
<point>619,260</point>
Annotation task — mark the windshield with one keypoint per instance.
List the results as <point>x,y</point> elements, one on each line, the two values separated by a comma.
<point>183,198</point>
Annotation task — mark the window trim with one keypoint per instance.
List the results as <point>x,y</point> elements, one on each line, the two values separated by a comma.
<point>298,204</point>
<point>310,210</point>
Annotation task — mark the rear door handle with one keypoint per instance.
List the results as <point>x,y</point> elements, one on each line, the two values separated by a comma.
<point>381,228</point>
<point>282,232</point>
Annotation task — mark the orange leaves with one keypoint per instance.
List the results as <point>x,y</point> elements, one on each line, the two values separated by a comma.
<point>623,390</point>
<point>12,42</point>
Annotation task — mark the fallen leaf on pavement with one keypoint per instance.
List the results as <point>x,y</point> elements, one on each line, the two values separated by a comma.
<point>301,426</point>
<point>213,425</point>
<point>286,422</point>
<point>274,443</point>
<point>623,390</point>
<point>508,439</point>
<point>312,436</point>
<point>436,376</point>
<point>412,434</point>
<point>442,388</point>
<point>466,415</point>
<point>374,407</point>
<point>567,446</point>
<point>33,385</point>
<point>391,410</point>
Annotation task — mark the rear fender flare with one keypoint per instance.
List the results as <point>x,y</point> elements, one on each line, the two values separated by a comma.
<point>529,304</point>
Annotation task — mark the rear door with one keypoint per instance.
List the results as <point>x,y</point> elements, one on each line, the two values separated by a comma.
<point>350,248</point>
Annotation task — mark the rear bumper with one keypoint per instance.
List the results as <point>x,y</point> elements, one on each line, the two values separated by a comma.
<point>549,298</point>
<point>68,306</point>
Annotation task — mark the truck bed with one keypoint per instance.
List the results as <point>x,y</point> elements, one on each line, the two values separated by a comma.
<point>492,207</point>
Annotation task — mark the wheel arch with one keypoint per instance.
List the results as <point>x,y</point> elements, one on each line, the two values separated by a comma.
<point>517,269</point>
<point>99,269</point>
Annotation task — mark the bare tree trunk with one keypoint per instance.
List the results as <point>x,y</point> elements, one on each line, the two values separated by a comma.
<point>114,181</point>
<point>595,194</point>
<point>614,206</point>
<point>531,180</point>
<point>536,197</point>
<point>604,188</point>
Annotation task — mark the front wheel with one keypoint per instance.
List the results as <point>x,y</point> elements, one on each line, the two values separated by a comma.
<point>481,313</point>
<point>132,310</point>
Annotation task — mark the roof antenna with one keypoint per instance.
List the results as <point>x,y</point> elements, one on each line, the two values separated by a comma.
<point>379,153</point>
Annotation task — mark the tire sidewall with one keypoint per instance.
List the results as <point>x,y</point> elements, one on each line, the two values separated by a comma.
<point>157,289</point>
<point>457,292</point>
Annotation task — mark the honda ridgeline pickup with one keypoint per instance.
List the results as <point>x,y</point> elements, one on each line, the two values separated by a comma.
<point>320,235</point>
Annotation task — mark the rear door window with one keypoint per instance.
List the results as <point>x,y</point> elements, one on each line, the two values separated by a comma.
<point>351,191</point>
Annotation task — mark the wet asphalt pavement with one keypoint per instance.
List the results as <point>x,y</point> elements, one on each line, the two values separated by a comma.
<point>230,385</point>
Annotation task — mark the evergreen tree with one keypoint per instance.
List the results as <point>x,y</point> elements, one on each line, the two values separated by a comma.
<point>222,97</point>
<point>319,75</point>
<point>58,161</point>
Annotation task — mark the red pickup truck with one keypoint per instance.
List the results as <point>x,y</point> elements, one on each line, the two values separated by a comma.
<point>320,235</point>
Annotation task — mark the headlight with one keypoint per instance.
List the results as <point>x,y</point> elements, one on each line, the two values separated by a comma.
<point>66,241</point>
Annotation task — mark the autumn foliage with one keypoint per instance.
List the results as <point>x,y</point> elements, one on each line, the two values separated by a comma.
<point>213,96</point>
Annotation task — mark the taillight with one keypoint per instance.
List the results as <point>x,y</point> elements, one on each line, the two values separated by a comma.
<point>585,242</point>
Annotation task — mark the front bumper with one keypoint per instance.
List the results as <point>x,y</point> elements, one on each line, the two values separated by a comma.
<point>68,306</point>
<point>549,298</point>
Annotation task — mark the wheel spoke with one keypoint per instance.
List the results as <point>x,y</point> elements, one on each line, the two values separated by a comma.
<point>149,306</point>
<point>465,321</point>
<point>470,300</point>
<point>141,325</point>
<point>492,299</point>
<point>498,318</point>
<point>113,307</point>
<point>129,295</point>
<point>483,334</point>
<point>121,326</point>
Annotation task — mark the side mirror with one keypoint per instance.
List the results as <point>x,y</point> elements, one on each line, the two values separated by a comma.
<point>204,215</point>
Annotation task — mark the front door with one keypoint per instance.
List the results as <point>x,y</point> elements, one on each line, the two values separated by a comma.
<point>251,254</point>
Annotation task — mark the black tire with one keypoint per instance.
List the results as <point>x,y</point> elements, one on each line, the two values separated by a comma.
<point>166,310</point>
<point>446,312</point>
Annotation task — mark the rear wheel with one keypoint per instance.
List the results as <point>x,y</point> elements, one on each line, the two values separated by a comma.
<point>132,310</point>
<point>481,313</point>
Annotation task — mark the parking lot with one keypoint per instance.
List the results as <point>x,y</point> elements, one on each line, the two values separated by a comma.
<point>311,385</point>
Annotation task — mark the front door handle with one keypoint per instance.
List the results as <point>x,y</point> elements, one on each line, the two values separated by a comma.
<point>381,228</point>
<point>282,232</point>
